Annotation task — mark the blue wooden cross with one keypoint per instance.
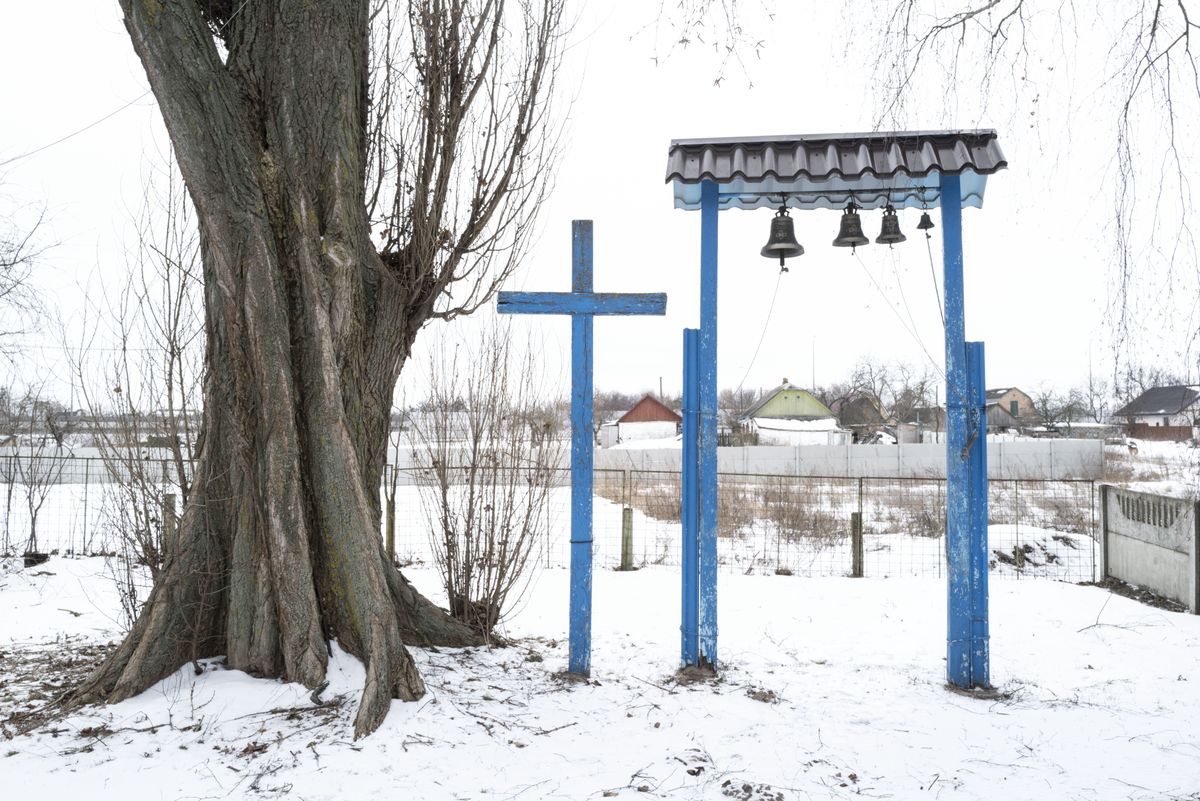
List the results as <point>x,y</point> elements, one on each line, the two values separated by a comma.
<point>582,304</point>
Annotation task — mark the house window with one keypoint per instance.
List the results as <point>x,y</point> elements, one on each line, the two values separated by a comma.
<point>1012,408</point>
<point>1166,421</point>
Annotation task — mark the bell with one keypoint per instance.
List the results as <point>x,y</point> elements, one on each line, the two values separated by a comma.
<point>890,233</point>
<point>782,242</point>
<point>925,224</point>
<point>851,233</point>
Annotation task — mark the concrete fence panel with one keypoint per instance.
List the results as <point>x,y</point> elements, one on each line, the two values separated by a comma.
<point>1036,460</point>
<point>1151,541</point>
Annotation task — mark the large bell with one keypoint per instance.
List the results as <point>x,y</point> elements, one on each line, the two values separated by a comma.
<point>925,224</point>
<point>890,233</point>
<point>782,242</point>
<point>851,233</point>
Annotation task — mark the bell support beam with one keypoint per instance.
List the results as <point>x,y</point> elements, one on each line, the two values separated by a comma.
<point>707,397</point>
<point>966,477</point>
<point>689,649</point>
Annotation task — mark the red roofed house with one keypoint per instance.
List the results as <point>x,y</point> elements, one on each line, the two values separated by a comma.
<point>649,418</point>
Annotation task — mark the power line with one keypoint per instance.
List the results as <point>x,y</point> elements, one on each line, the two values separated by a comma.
<point>112,113</point>
<point>73,134</point>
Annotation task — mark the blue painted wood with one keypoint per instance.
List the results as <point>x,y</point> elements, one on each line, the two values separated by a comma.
<point>978,647</point>
<point>689,650</point>
<point>582,438</point>
<point>958,552</point>
<point>582,304</point>
<point>707,397</point>
<point>605,303</point>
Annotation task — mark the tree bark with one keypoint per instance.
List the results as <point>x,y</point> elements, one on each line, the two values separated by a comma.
<point>279,548</point>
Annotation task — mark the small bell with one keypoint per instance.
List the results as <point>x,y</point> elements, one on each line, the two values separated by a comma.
<point>851,234</point>
<point>782,242</point>
<point>925,224</point>
<point>890,233</point>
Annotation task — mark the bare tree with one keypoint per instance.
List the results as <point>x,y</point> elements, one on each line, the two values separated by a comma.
<point>1094,399</point>
<point>1151,76</point>
<point>20,247</point>
<point>33,466</point>
<point>491,439</point>
<point>148,344</point>
<point>302,131</point>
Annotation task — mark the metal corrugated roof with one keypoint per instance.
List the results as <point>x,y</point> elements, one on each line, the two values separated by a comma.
<point>650,410</point>
<point>825,170</point>
<point>1160,400</point>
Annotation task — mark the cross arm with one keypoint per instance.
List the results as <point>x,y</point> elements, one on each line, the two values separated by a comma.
<point>586,303</point>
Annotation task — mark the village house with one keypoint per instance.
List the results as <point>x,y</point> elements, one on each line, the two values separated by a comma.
<point>1163,413</point>
<point>649,418</point>
<point>789,415</point>
<point>861,414</point>
<point>1018,405</point>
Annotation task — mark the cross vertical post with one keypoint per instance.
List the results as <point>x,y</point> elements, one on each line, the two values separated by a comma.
<point>582,304</point>
<point>580,659</point>
<point>966,479</point>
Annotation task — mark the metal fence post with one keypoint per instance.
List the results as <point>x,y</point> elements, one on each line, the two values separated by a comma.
<point>390,522</point>
<point>1103,531</point>
<point>856,545</point>
<point>1195,561</point>
<point>168,524</point>
<point>626,539</point>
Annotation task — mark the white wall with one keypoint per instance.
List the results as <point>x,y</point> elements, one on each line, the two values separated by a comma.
<point>1031,460</point>
<point>652,429</point>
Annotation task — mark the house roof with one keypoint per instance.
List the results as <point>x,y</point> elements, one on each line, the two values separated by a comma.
<point>826,171</point>
<point>820,410</point>
<point>650,410</point>
<point>996,407</point>
<point>997,394</point>
<point>1160,400</point>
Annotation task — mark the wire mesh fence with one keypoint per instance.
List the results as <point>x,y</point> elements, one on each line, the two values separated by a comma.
<point>766,523</point>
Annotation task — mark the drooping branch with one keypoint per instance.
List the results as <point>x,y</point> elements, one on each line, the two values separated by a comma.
<point>1151,75</point>
<point>464,168</point>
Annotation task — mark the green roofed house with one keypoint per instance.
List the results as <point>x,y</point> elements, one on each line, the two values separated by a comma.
<point>789,415</point>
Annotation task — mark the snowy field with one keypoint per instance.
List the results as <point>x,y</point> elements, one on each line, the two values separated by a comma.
<point>829,688</point>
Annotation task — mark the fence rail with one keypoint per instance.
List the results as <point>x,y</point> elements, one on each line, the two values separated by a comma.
<point>767,523</point>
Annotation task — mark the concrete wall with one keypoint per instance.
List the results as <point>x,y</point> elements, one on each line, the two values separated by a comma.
<point>649,429</point>
<point>1032,460</point>
<point>1150,540</point>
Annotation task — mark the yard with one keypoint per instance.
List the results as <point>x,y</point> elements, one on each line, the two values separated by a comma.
<point>829,688</point>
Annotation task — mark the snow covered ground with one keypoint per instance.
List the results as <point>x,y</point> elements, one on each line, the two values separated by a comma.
<point>1165,468</point>
<point>830,688</point>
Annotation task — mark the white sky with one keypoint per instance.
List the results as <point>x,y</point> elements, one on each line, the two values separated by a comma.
<point>1037,255</point>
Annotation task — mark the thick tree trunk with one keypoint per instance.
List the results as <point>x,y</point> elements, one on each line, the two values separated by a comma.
<point>279,549</point>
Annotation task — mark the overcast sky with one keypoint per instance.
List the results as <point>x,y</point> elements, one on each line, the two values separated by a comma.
<point>1037,255</point>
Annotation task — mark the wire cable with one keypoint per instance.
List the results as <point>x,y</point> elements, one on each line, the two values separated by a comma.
<point>933,274</point>
<point>107,116</point>
<point>959,391</point>
<point>763,335</point>
<point>73,134</point>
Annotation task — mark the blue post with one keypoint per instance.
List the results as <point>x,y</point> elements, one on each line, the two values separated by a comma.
<point>707,398</point>
<point>580,659</point>
<point>977,470</point>
<point>963,506</point>
<point>689,651</point>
